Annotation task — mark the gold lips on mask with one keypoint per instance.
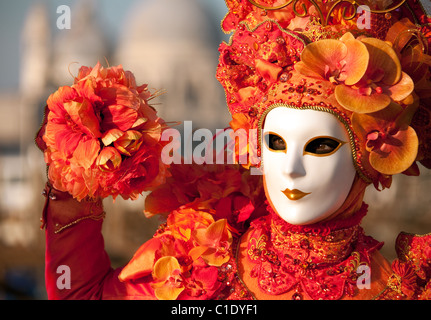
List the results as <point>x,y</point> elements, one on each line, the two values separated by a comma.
<point>294,194</point>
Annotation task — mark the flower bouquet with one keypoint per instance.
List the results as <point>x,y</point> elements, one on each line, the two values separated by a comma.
<point>100,136</point>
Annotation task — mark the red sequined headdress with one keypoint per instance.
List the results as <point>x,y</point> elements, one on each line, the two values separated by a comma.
<point>368,66</point>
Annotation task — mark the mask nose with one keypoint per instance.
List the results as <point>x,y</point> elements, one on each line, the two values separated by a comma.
<point>294,163</point>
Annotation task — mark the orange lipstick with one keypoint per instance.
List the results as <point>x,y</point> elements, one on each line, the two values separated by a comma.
<point>294,194</point>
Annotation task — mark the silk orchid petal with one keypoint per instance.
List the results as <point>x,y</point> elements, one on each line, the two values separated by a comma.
<point>353,100</point>
<point>168,292</point>
<point>402,89</point>
<point>356,61</point>
<point>398,154</point>
<point>305,70</point>
<point>328,52</point>
<point>165,267</point>
<point>383,56</point>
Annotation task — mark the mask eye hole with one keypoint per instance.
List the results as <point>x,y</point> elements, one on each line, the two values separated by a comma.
<point>322,146</point>
<point>274,142</point>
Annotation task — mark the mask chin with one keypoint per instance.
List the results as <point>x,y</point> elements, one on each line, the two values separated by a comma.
<point>307,164</point>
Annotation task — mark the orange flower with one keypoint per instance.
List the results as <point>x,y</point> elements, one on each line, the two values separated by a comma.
<point>382,83</point>
<point>182,257</point>
<point>101,136</point>
<point>109,159</point>
<point>213,243</point>
<point>68,176</point>
<point>182,222</point>
<point>367,72</point>
<point>202,284</point>
<point>392,144</point>
<point>168,282</point>
<point>129,142</point>
<point>71,120</point>
<point>344,60</point>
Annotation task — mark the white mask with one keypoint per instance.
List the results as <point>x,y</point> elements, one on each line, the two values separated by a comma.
<point>308,153</point>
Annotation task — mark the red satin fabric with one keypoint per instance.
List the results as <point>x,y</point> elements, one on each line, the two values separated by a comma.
<point>81,250</point>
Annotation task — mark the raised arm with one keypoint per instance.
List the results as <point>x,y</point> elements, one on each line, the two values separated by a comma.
<point>77,265</point>
<point>100,137</point>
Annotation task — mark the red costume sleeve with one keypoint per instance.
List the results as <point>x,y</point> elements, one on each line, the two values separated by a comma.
<point>76,263</point>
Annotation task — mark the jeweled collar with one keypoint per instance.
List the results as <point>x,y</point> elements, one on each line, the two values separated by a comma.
<point>327,242</point>
<point>319,260</point>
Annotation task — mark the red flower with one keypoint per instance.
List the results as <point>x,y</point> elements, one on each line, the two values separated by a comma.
<point>213,243</point>
<point>183,256</point>
<point>102,138</point>
<point>405,278</point>
<point>202,284</point>
<point>168,282</point>
<point>237,209</point>
<point>109,159</point>
<point>143,171</point>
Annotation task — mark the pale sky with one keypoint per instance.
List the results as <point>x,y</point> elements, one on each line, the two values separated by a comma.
<point>13,14</point>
